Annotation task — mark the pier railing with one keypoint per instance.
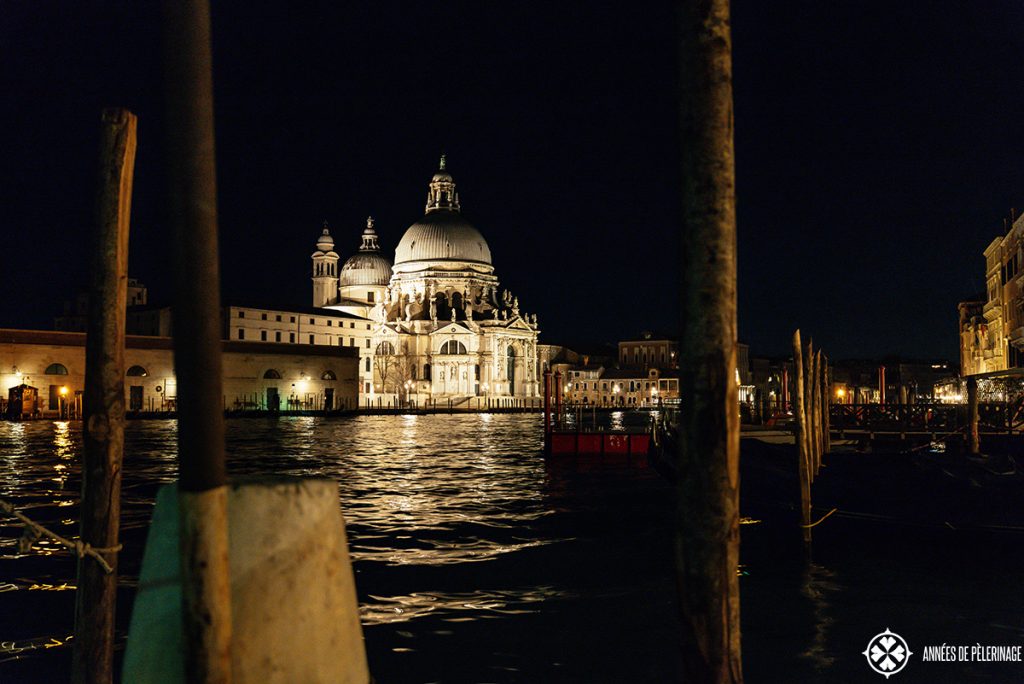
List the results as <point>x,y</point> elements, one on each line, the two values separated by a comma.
<point>997,417</point>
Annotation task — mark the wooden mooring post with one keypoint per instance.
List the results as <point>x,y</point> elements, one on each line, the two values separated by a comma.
<point>192,210</point>
<point>974,443</point>
<point>707,521</point>
<point>826,390</point>
<point>103,409</point>
<point>802,437</point>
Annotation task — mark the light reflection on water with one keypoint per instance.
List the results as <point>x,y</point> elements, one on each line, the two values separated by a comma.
<point>453,522</point>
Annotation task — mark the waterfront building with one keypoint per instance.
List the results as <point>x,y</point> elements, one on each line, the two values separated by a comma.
<point>625,387</point>
<point>256,375</point>
<point>306,326</point>
<point>442,326</point>
<point>650,350</point>
<point>992,339</point>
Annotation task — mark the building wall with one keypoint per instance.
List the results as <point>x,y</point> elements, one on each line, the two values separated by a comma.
<point>648,352</point>
<point>325,328</point>
<point>25,357</point>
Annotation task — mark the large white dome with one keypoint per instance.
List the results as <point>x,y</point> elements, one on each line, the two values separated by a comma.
<point>443,236</point>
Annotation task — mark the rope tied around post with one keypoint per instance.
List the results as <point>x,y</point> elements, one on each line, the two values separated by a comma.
<point>34,531</point>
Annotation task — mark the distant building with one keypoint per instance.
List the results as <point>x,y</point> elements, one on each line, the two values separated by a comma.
<point>650,350</point>
<point>992,338</point>
<point>265,376</point>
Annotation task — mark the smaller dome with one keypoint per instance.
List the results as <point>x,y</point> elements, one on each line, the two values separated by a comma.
<point>365,268</point>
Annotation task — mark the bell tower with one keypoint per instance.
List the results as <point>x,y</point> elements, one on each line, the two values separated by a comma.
<point>325,270</point>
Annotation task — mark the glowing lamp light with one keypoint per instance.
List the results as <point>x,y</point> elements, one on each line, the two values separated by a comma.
<point>64,391</point>
<point>840,392</point>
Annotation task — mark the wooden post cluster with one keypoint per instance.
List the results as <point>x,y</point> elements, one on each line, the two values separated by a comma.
<point>811,399</point>
<point>707,519</point>
<point>103,403</point>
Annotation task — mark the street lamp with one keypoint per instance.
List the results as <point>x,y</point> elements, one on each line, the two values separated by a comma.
<point>61,400</point>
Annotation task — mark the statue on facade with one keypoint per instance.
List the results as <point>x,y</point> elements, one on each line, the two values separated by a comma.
<point>433,309</point>
<point>453,314</point>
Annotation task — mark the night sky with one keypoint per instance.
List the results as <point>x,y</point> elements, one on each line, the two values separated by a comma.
<point>879,146</point>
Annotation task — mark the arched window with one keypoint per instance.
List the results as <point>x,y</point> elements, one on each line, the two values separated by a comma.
<point>56,369</point>
<point>137,372</point>
<point>328,375</point>
<point>453,347</point>
<point>271,375</point>
<point>426,371</point>
<point>385,349</point>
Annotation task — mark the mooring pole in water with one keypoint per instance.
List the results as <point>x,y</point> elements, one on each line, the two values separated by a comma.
<point>801,437</point>
<point>881,384</point>
<point>812,428</point>
<point>826,404</point>
<point>547,403</point>
<point>972,414</point>
<point>103,410</point>
<point>197,345</point>
<point>707,519</point>
<point>558,399</point>
<point>819,414</point>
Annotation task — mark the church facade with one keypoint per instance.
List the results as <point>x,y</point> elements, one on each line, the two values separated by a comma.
<point>442,327</point>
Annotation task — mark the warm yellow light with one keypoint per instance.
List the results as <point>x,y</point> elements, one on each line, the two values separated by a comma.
<point>63,391</point>
<point>840,393</point>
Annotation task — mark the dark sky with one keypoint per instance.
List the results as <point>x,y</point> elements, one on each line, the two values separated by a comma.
<point>879,146</point>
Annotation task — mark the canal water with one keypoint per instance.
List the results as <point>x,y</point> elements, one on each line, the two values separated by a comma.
<point>476,561</point>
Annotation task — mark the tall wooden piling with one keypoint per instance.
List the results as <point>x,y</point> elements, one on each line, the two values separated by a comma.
<point>802,436</point>
<point>810,409</point>
<point>197,344</point>
<point>974,442</point>
<point>707,523</point>
<point>103,403</point>
<point>819,414</point>
<point>826,391</point>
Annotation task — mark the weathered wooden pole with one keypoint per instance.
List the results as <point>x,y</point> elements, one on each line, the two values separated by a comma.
<point>972,414</point>
<point>197,345</point>
<point>785,389</point>
<point>801,437</point>
<point>819,412</point>
<point>103,410</point>
<point>707,541</point>
<point>809,408</point>
<point>827,393</point>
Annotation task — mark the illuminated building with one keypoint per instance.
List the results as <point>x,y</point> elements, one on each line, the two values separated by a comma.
<point>441,325</point>
<point>255,376</point>
<point>992,326</point>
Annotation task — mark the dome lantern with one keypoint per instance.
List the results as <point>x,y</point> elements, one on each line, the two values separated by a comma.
<point>369,237</point>
<point>442,195</point>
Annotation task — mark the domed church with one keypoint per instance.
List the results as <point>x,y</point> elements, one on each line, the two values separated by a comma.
<point>442,326</point>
